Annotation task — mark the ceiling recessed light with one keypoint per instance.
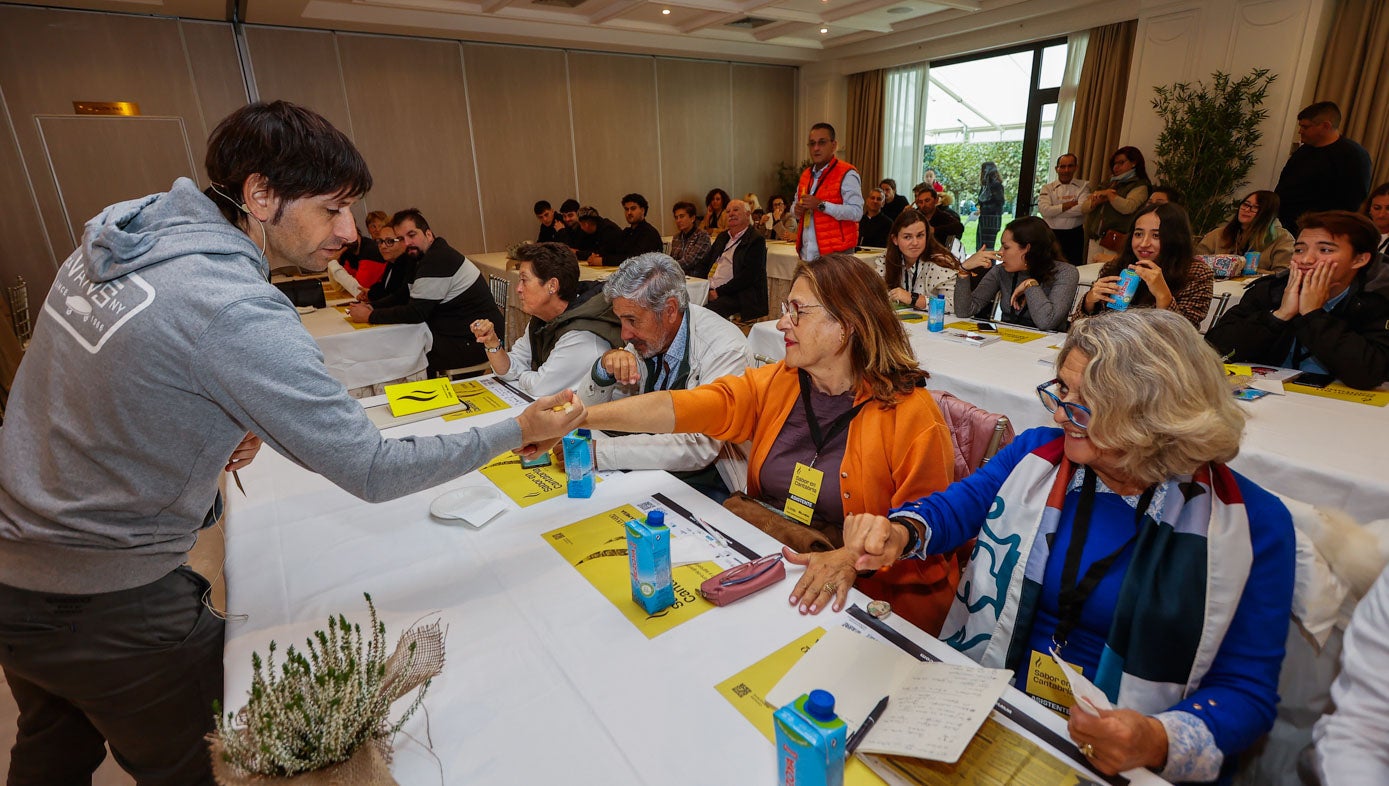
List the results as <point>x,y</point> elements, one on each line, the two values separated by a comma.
<point>824,30</point>
<point>901,9</point>
<point>665,12</point>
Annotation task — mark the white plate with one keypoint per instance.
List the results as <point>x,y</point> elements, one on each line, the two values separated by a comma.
<point>472,505</point>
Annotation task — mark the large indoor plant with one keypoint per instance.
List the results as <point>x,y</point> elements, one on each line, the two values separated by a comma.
<point>1208,141</point>
<point>324,718</point>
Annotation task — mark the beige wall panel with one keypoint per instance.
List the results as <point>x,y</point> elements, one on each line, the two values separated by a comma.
<point>615,131</point>
<point>764,99</point>
<point>299,66</point>
<point>50,58</point>
<point>216,78</point>
<point>521,130</point>
<point>411,123</point>
<point>154,151</point>
<point>27,251</point>
<point>696,148</point>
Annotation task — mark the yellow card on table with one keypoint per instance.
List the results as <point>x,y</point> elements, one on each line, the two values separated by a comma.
<point>1238,370</point>
<point>525,486</point>
<point>355,325</point>
<point>804,492</point>
<point>476,399</point>
<point>1341,392</point>
<point>597,548</point>
<point>408,398</point>
<point>747,691</point>
<point>1010,334</point>
<point>997,754</point>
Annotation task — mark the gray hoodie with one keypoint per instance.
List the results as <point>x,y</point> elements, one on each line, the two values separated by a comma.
<point>159,346</point>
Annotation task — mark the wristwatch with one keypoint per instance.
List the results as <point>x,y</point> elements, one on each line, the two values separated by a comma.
<point>820,207</point>
<point>915,532</point>
<point>493,350</point>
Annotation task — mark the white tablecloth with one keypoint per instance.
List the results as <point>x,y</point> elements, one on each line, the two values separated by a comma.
<point>545,681</point>
<point>369,356</point>
<point>1318,450</point>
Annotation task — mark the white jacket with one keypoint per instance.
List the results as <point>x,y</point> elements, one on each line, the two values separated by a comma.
<point>1351,742</point>
<point>717,348</point>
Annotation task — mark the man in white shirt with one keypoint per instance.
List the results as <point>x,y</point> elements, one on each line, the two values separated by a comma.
<point>736,267</point>
<point>1059,205</point>
<point>829,199</point>
<point>670,345</point>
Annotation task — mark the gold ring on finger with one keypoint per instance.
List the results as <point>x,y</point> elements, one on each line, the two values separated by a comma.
<point>829,587</point>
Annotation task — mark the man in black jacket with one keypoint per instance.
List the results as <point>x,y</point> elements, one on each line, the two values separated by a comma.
<point>639,237</point>
<point>1327,314</point>
<point>1327,172</point>
<point>736,267</point>
<point>945,223</point>
<point>597,240</point>
<point>448,293</point>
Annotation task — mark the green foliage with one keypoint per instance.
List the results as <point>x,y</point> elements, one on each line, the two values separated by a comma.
<point>1210,135</point>
<point>788,176</point>
<point>957,167</point>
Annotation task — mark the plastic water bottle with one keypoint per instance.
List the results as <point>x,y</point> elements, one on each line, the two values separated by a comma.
<point>578,463</point>
<point>1128,285</point>
<point>810,742</point>
<point>935,321</point>
<point>648,556</point>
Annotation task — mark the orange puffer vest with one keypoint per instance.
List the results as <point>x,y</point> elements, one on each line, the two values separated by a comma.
<point>831,234</point>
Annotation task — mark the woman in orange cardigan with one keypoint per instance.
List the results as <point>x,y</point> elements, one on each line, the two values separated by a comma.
<point>846,413</point>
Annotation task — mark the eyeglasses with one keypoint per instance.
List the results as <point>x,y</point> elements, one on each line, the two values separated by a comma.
<point>1078,414</point>
<point>792,309</point>
<point>390,241</point>
<point>1248,206</point>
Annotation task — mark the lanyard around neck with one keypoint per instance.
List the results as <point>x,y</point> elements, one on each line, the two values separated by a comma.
<point>836,426</point>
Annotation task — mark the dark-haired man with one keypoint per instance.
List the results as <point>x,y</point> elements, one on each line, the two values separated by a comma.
<point>829,198</point>
<point>1060,206</point>
<point>448,293</point>
<point>893,202</point>
<point>569,213</point>
<point>945,223</point>
<point>1326,172</point>
<point>1327,314</point>
<point>104,638</point>
<point>597,239</point>
<point>639,237</point>
<point>873,228</point>
<point>551,225</point>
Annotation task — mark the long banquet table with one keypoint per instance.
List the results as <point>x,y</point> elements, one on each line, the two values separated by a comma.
<point>1318,450</point>
<point>545,681</point>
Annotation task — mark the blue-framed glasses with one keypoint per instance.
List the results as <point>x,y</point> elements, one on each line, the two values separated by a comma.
<point>1078,414</point>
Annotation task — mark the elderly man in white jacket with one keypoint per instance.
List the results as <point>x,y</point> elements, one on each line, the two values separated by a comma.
<point>671,345</point>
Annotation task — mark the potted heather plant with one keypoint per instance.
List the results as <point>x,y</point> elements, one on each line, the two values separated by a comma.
<point>324,716</point>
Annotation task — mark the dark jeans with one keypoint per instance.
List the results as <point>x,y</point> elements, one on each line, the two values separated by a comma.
<point>136,669</point>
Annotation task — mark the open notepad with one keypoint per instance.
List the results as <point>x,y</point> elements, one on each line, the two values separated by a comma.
<point>935,708</point>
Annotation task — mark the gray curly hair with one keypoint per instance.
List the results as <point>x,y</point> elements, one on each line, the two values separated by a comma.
<point>650,280</point>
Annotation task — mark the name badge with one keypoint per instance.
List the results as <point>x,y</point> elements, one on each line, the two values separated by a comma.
<point>804,491</point>
<point>1048,684</point>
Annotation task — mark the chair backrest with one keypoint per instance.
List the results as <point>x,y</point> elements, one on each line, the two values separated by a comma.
<point>501,290</point>
<point>978,434</point>
<point>1218,305</point>
<point>1081,291</point>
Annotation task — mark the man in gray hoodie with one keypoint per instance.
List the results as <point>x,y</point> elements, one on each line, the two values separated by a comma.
<point>161,351</point>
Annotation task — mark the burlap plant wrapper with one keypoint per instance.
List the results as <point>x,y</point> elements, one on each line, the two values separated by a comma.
<point>369,765</point>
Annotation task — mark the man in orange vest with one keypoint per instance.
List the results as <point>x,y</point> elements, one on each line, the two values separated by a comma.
<point>832,193</point>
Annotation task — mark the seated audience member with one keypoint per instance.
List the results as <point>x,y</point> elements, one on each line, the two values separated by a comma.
<point>736,267</point>
<point>1122,540</point>
<point>915,266</point>
<point>1158,249</point>
<point>690,244</point>
<point>569,213</point>
<point>715,202</point>
<point>945,223</point>
<point>874,226</point>
<point>1254,227</point>
<point>597,240</point>
<point>1111,208</point>
<point>780,220</point>
<point>1350,740</point>
<point>672,344</point>
<point>1165,195</point>
<point>571,324</point>
<point>447,293</point>
<point>551,225</point>
<point>376,221</point>
<point>362,261</point>
<point>751,200</point>
<point>893,202</point>
<point>639,237</point>
<point>757,222</point>
<point>400,268</point>
<point>849,401</point>
<point>1036,286</point>
<point>1377,208</point>
<point>1327,314</point>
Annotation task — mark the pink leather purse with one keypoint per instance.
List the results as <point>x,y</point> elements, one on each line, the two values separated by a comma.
<point>743,580</point>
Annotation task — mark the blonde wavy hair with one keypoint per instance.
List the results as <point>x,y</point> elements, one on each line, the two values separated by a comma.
<point>1157,391</point>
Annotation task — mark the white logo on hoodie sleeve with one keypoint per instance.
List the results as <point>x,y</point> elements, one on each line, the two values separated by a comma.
<point>92,311</point>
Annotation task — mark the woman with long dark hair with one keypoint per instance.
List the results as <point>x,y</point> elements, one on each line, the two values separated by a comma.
<point>915,264</point>
<point>714,220</point>
<point>991,199</point>
<point>1161,253</point>
<point>1253,227</point>
<point>1036,284</point>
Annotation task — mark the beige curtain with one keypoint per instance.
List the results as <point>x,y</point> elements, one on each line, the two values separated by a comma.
<point>1100,99</point>
<point>1355,74</point>
<point>862,144</point>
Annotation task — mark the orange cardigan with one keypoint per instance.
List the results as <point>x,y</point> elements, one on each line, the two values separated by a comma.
<point>892,456</point>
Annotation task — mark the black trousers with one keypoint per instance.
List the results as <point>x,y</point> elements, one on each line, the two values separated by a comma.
<point>136,669</point>
<point>1072,244</point>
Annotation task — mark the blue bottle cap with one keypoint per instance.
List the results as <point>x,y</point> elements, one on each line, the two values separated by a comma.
<point>584,433</point>
<point>820,705</point>
<point>656,518</point>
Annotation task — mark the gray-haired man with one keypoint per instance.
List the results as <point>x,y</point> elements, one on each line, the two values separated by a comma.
<point>671,345</point>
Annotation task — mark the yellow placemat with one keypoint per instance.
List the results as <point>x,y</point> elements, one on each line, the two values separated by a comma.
<point>355,325</point>
<point>407,398</point>
<point>526,486</point>
<point>1010,334</point>
<point>747,691</point>
<point>1340,392</point>
<point>597,548</point>
<point>476,399</point>
<point>997,754</point>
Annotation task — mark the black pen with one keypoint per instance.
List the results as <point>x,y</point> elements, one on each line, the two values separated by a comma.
<point>863,730</point>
